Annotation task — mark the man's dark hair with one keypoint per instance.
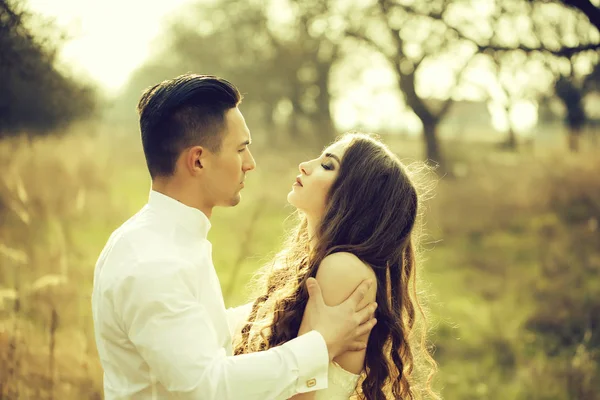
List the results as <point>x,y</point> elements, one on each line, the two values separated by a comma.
<point>185,111</point>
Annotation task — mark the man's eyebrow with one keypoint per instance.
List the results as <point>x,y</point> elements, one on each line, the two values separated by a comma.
<point>336,158</point>
<point>246,143</point>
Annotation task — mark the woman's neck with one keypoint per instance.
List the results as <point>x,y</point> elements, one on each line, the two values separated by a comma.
<point>312,223</point>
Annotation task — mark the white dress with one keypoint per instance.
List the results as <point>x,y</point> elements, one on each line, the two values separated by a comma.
<point>341,384</point>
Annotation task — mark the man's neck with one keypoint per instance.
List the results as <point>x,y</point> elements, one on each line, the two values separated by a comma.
<point>179,193</point>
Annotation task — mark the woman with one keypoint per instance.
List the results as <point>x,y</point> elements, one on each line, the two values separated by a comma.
<point>358,209</point>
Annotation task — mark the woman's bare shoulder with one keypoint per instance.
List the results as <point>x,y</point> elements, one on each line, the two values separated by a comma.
<point>340,273</point>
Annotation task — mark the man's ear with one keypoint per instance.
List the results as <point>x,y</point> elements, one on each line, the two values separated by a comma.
<point>196,159</point>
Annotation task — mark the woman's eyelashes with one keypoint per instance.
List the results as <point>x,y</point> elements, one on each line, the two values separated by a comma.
<point>327,167</point>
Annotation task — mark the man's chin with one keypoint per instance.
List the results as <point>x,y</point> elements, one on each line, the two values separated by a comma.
<point>235,200</point>
<point>231,202</point>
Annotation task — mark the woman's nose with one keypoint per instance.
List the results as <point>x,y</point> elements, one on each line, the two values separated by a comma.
<point>302,168</point>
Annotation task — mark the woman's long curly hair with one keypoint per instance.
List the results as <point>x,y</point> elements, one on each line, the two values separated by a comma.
<point>371,212</point>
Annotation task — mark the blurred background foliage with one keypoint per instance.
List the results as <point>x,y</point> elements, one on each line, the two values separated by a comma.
<point>35,96</point>
<point>502,95</point>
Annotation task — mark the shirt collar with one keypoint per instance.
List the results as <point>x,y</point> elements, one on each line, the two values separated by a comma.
<point>191,218</point>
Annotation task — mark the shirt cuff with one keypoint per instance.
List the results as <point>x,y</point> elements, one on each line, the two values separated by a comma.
<point>312,357</point>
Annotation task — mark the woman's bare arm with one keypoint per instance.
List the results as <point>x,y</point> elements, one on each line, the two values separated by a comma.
<point>338,275</point>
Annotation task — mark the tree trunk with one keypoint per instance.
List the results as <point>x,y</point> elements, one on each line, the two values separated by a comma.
<point>574,135</point>
<point>294,118</point>
<point>432,144</point>
<point>511,140</point>
<point>326,131</point>
<point>429,121</point>
<point>272,133</point>
<point>572,97</point>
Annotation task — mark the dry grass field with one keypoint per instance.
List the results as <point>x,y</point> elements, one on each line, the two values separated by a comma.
<point>510,271</point>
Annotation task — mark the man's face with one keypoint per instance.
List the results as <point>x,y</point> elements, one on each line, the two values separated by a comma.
<point>227,169</point>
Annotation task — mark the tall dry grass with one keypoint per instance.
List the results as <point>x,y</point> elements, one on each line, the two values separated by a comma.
<point>56,202</point>
<point>512,266</point>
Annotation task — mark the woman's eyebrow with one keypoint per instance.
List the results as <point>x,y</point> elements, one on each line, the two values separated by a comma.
<point>336,158</point>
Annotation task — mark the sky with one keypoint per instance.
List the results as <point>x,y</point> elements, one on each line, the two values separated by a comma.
<point>109,39</point>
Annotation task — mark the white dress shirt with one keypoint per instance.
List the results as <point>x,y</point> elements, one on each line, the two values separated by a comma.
<point>161,325</point>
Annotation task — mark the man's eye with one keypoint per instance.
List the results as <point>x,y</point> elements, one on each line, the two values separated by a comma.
<point>241,150</point>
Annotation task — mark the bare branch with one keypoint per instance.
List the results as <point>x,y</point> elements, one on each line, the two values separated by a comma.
<point>563,51</point>
<point>384,7</point>
<point>412,10</point>
<point>370,42</point>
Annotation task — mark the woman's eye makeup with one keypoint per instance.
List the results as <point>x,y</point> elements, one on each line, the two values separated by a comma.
<point>327,166</point>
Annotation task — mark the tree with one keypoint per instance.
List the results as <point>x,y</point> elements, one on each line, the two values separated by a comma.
<point>417,33</point>
<point>36,96</point>
<point>572,98</point>
<point>411,36</point>
<point>557,36</point>
<point>571,90</point>
<point>551,37</point>
<point>282,64</point>
<point>505,71</point>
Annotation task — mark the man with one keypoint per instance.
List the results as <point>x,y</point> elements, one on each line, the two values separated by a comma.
<point>160,322</point>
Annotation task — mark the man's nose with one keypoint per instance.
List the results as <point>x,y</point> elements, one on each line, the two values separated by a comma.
<point>250,163</point>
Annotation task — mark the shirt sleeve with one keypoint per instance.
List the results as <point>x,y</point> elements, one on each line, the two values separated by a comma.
<point>236,316</point>
<point>173,333</point>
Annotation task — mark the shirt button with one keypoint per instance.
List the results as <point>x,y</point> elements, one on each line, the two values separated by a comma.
<point>311,382</point>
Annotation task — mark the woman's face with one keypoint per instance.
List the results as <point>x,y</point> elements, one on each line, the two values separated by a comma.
<point>310,190</point>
